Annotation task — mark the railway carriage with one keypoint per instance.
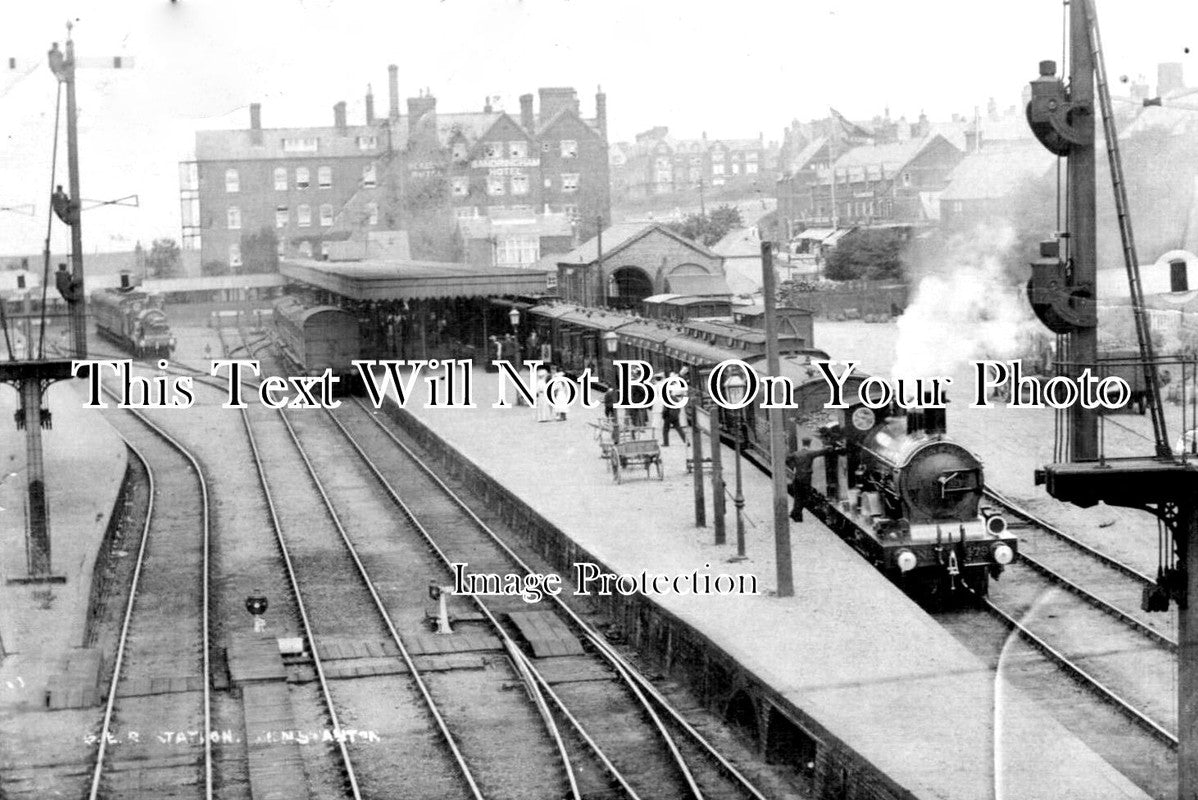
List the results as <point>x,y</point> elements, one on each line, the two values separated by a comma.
<point>312,339</point>
<point>133,319</point>
<point>892,484</point>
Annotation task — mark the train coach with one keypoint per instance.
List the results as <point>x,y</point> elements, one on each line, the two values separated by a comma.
<point>134,319</point>
<point>312,339</point>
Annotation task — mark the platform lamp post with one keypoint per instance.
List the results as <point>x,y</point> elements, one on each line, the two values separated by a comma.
<point>734,388</point>
<point>514,317</point>
<point>611,343</point>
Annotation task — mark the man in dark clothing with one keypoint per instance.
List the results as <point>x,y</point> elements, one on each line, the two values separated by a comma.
<point>800,485</point>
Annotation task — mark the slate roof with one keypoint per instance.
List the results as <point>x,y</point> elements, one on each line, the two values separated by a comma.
<point>995,172</point>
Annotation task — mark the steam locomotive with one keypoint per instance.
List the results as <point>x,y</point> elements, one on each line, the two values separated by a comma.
<point>133,319</point>
<point>892,484</point>
<point>907,497</point>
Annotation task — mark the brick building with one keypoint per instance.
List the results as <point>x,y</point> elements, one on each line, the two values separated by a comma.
<point>896,182</point>
<point>307,187</point>
<point>635,261</point>
<point>289,182</point>
<point>657,164</point>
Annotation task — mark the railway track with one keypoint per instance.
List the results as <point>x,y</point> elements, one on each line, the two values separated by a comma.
<point>156,734</point>
<point>595,691</point>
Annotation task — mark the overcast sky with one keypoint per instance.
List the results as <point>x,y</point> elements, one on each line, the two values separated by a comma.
<point>732,69</point>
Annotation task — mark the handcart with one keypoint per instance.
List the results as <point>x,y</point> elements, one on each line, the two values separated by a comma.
<point>635,447</point>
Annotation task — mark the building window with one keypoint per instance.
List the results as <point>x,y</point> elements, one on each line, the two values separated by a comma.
<point>324,251</point>
<point>519,184</point>
<point>717,155</point>
<point>492,150</point>
<point>370,176</point>
<point>569,148</point>
<point>280,179</point>
<point>368,142</point>
<point>570,211</point>
<point>460,151</point>
<point>717,169</point>
<point>235,254</point>
<point>303,216</point>
<point>460,185</point>
<point>570,182</point>
<point>232,181</point>
<point>282,217</point>
<point>464,212</point>
<point>372,212</point>
<point>906,179</point>
<point>751,168</point>
<point>305,249</point>
<point>281,247</point>
<point>735,168</point>
<point>751,155</point>
<point>494,185</point>
<point>517,149</point>
<point>517,251</point>
<point>324,177</point>
<point>233,218</point>
<point>302,178</point>
<point>304,144</point>
<point>326,215</point>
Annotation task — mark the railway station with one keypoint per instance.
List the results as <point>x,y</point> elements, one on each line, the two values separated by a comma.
<point>547,482</point>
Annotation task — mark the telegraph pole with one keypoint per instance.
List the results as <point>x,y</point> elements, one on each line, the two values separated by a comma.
<point>786,586</point>
<point>78,307</point>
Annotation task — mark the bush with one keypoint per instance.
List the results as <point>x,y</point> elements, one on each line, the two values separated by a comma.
<point>873,254</point>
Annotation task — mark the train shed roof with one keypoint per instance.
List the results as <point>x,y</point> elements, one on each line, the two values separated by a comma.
<point>394,279</point>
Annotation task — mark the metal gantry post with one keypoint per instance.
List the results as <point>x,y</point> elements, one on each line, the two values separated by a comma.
<point>1186,537</point>
<point>718,503</point>
<point>35,474</point>
<point>1081,224</point>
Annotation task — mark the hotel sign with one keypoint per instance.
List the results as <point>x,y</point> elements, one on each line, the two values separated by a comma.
<point>504,163</point>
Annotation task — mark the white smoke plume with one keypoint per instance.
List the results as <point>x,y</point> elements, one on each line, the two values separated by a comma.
<point>965,308</point>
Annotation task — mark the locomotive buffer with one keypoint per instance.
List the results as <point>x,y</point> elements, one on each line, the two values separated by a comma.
<point>31,373</point>
<point>1062,293</point>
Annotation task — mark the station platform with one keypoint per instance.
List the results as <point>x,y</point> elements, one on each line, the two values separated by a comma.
<point>849,649</point>
<point>42,626</point>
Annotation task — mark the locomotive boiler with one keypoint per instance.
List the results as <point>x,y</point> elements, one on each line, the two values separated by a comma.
<point>134,319</point>
<point>909,498</point>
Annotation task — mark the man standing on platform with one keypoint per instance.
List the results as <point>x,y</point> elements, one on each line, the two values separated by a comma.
<point>801,462</point>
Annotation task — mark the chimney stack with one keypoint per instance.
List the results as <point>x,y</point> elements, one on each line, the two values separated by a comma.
<point>393,83</point>
<point>256,123</point>
<point>526,117</point>
<point>339,118</point>
<point>369,105</point>
<point>601,111</point>
<point>487,105</point>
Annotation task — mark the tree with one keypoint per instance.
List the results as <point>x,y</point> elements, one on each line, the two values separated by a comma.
<point>875,254</point>
<point>711,228</point>
<point>214,268</point>
<point>164,260</point>
<point>260,251</point>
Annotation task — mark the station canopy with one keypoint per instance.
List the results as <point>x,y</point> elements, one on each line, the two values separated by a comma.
<point>395,279</point>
